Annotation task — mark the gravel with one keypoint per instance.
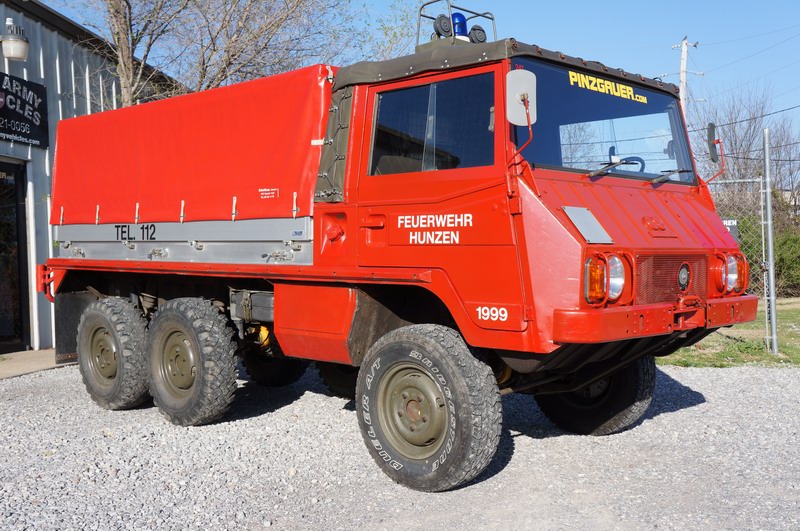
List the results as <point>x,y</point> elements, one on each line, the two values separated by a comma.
<point>717,449</point>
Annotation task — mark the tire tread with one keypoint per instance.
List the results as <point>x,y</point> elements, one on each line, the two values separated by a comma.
<point>218,350</point>
<point>130,328</point>
<point>644,376</point>
<point>486,408</point>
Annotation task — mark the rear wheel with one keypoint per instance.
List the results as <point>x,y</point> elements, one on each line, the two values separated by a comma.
<point>429,411</point>
<point>111,336</point>
<point>191,360</point>
<point>610,405</point>
<point>338,378</point>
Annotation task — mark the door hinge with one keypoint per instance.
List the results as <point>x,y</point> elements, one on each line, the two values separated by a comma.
<point>512,188</point>
<point>528,313</point>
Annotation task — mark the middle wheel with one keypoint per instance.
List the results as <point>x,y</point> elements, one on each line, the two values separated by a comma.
<point>338,378</point>
<point>273,372</point>
<point>429,411</point>
<point>191,358</point>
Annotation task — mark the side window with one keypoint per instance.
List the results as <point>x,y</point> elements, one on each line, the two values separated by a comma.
<point>441,126</point>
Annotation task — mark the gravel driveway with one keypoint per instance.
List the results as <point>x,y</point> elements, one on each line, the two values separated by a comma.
<point>718,449</point>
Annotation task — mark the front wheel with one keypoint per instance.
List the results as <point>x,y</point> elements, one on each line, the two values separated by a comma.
<point>609,405</point>
<point>428,410</point>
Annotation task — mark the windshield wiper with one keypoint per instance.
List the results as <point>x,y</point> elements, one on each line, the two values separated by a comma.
<point>666,174</point>
<point>611,166</point>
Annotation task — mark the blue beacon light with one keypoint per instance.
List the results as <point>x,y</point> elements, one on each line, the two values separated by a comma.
<point>460,25</point>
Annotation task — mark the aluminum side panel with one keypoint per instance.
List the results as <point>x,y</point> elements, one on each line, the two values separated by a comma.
<point>262,241</point>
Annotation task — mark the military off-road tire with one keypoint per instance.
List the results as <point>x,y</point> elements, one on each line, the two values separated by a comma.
<point>111,337</point>
<point>428,410</point>
<point>273,372</point>
<point>191,350</point>
<point>608,406</point>
<point>339,379</point>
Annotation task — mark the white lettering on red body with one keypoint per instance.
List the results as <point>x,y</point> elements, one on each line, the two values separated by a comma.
<point>434,221</point>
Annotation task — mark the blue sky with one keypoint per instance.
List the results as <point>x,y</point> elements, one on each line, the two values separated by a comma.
<point>743,44</point>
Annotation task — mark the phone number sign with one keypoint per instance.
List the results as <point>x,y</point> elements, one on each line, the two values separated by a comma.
<point>23,111</point>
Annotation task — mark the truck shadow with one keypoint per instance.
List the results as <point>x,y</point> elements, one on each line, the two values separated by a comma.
<point>253,400</point>
<point>522,417</point>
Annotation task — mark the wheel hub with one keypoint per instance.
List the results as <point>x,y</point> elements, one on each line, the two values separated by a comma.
<point>413,413</point>
<point>103,354</point>
<point>178,362</point>
<point>596,389</point>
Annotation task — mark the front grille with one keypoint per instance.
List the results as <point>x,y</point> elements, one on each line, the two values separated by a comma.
<point>657,278</point>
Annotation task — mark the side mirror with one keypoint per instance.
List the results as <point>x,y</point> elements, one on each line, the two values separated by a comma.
<point>520,85</point>
<point>711,133</point>
<point>669,151</point>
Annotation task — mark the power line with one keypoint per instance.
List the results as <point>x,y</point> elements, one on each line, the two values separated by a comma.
<point>761,148</point>
<point>761,159</point>
<point>788,91</point>
<point>749,119</point>
<point>753,54</point>
<point>751,36</point>
<point>738,87</point>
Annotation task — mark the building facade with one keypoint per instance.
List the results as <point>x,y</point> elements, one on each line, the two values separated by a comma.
<point>67,73</point>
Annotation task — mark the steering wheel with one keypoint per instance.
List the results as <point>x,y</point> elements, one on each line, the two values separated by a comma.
<point>638,160</point>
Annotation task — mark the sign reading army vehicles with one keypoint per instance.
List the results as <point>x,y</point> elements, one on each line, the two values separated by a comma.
<point>435,231</point>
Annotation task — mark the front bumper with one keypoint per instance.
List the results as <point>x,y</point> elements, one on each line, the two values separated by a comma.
<point>600,325</point>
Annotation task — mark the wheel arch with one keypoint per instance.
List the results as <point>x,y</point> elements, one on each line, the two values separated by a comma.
<point>383,308</point>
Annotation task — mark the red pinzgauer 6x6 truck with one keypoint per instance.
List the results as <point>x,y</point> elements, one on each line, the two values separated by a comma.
<point>435,231</point>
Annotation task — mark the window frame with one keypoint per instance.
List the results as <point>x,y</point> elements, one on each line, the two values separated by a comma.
<point>438,81</point>
<point>471,178</point>
<point>615,172</point>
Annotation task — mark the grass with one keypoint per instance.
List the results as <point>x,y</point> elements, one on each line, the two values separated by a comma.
<point>745,344</point>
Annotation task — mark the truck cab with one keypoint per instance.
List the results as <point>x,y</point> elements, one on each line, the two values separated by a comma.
<point>583,235</point>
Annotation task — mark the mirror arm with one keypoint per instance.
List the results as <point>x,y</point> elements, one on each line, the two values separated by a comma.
<point>526,102</point>
<point>511,180</point>
<point>721,159</point>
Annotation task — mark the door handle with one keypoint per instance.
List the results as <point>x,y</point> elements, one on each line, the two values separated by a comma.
<point>374,222</point>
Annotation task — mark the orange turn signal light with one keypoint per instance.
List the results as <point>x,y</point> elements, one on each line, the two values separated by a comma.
<point>595,280</point>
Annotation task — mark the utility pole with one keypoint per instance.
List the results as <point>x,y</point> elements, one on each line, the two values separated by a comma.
<point>684,45</point>
<point>772,338</point>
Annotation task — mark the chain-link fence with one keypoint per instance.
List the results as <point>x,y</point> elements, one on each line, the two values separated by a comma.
<point>786,230</point>
<point>740,204</point>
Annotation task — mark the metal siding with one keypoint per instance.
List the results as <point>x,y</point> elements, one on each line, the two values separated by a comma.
<point>73,76</point>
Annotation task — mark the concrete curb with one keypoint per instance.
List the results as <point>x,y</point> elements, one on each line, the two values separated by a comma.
<point>26,362</point>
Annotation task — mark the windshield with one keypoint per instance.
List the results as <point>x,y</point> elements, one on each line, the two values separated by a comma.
<point>586,121</point>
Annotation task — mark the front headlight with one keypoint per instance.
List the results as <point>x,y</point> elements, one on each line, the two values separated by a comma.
<point>731,272</point>
<point>616,277</point>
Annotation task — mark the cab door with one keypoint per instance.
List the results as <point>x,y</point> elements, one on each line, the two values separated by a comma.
<point>432,189</point>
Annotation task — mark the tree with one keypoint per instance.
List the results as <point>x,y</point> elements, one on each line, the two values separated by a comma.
<point>741,119</point>
<point>395,34</point>
<point>204,44</point>
<point>226,41</point>
<point>136,27</point>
